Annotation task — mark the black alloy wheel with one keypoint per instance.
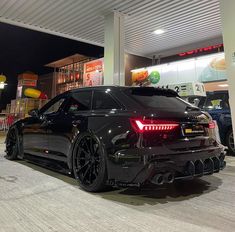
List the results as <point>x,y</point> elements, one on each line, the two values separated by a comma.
<point>89,164</point>
<point>12,144</point>
<point>230,142</point>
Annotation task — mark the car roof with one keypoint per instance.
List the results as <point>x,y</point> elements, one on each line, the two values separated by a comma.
<point>101,87</point>
<point>116,87</point>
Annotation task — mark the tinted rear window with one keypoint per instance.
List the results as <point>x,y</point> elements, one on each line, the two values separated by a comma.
<point>157,98</point>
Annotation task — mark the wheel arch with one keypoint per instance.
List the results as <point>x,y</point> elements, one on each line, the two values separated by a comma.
<point>18,129</point>
<point>73,146</point>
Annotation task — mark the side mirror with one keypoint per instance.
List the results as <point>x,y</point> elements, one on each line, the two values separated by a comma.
<point>34,113</point>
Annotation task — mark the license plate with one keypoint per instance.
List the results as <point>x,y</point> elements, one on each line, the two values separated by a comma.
<point>187,131</point>
<point>193,130</point>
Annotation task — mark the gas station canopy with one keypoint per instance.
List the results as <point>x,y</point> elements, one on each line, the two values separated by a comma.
<point>185,22</point>
<point>141,27</point>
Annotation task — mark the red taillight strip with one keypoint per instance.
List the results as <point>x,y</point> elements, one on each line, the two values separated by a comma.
<point>152,125</point>
<point>211,124</point>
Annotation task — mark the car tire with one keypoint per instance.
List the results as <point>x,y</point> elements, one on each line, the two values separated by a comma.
<point>230,142</point>
<point>89,163</point>
<point>12,144</point>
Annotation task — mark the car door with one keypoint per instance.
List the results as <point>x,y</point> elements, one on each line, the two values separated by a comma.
<point>71,120</point>
<point>35,129</point>
<point>217,105</point>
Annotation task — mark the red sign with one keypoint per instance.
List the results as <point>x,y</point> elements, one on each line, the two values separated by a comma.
<point>96,65</point>
<point>32,83</point>
<point>93,73</point>
<point>200,50</point>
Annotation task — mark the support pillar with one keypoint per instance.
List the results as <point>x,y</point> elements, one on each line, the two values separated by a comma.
<point>227,8</point>
<point>114,73</point>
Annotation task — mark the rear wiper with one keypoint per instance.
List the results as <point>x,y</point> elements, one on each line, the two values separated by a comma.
<point>192,108</point>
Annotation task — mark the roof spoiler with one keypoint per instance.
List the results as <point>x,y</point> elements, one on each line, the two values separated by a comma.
<point>151,91</point>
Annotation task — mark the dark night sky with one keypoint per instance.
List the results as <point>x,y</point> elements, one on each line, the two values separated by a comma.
<point>26,50</point>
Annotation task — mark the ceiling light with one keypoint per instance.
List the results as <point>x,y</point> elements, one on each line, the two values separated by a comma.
<point>159,31</point>
<point>223,85</point>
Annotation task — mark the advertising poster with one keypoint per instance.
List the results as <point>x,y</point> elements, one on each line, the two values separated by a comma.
<point>93,73</point>
<point>203,69</point>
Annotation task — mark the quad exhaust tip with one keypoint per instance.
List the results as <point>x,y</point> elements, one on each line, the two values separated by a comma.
<point>160,179</point>
<point>168,177</point>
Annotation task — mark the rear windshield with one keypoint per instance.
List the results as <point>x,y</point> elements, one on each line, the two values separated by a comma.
<point>158,98</point>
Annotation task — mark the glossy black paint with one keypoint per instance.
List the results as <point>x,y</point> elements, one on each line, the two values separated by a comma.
<point>131,157</point>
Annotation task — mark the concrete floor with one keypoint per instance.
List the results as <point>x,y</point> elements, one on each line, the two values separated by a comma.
<point>36,199</point>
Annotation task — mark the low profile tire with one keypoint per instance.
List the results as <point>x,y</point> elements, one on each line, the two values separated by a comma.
<point>89,164</point>
<point>12,144</point>
<point>230,142</point>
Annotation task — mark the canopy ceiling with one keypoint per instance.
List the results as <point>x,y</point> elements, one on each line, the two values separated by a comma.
<point>187,22</point>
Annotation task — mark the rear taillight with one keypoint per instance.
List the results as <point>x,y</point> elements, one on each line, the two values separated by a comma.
<point>140,125</point>
<point>211,125</point>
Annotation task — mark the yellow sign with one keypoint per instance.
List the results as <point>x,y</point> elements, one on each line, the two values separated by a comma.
<point>3,78</point>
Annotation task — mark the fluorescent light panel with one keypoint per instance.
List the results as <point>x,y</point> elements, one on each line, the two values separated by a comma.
<point>159,31</point>
<point>223,85</point>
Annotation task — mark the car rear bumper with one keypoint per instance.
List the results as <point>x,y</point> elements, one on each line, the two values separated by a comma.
<point>139,166</point>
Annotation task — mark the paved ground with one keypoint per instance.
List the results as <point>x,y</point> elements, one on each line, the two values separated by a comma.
<point>35,199</point>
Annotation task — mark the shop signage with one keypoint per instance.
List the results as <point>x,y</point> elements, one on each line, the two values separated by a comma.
<point>96,65</point>
<point>203,69</point>
<point>32,83</point>
<point>201,50</point>
<point>93,73</point>
<point>189,89</point>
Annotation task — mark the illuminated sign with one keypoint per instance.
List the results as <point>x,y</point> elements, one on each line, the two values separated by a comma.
<point>207,68</point>
<point>96,65</point>
<point>2,85</point>
<point>93,73</point>
<point>201,50</point>
<point>27,82</point>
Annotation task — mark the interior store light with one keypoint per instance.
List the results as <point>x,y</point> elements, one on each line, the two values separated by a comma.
<point>138,70</point>
<point>223,85</point>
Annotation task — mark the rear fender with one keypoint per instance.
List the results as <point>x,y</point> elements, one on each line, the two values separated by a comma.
<point>18,129</point>
<point>76,141</point>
